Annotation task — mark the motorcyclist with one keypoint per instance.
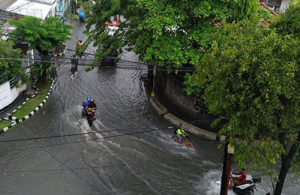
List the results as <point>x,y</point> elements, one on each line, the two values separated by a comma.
<point>85,104</point>
<point>91,108</point>
<point>180,134</point>
<point>239,178</point>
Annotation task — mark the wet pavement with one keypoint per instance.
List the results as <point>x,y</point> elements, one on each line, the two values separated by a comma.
<point>102,159</point>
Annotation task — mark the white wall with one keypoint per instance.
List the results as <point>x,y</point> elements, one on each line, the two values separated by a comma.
<point>8,95</point>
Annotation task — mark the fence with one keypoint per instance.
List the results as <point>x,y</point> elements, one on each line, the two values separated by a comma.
<point>14,81</point>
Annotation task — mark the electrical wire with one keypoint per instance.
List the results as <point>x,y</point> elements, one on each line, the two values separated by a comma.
<point>92,132</point>
<point>63,61</point>
<point>93,139</point>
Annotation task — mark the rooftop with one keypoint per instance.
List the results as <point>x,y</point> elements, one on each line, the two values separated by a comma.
<point>27,7</point>
<point>4,4</point>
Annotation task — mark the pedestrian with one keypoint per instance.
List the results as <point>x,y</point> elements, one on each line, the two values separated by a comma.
<point>81,15</point>
<point>79,49</point>
<point>74,62</point>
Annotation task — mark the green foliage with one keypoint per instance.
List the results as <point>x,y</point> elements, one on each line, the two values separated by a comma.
<point>251,79</point>
<point>79,3</point>
<point>264,14</point>
<point>172,33</point>
<point>192,87</point>
<point>43,36</point>
<point>289,21</point>
<point>89,68</point>
<point>43,70</point>
<point>10,66</point>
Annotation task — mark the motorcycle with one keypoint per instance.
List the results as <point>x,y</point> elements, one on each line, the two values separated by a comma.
<point>185,140</point>
<point>90,116</point>
<point>248,187</point>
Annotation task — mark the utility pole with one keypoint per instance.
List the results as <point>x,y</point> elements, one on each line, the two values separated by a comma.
<point>227,166</point>
<point>224,172</point>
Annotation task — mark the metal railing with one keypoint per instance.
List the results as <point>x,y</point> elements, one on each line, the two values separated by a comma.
<point>14,81</point>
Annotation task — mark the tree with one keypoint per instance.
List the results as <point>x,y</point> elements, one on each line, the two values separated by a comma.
<point>43,36</point>
<point>163,32</point>
<point>8,65</point>
<point>251,81</point>
<point>289,21</point>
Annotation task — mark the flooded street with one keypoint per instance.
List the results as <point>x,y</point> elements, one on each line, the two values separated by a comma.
<point>129,149</point>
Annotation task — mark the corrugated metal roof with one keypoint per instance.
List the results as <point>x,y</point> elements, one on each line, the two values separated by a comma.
<point>4,4</point>
<point>29,8</point>
<point>48,2</point>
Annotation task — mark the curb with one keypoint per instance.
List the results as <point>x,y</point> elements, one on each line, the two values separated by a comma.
<point>6,128</point>
<point>155,103</point>
<point>9,115</point>
<point>15,120</point>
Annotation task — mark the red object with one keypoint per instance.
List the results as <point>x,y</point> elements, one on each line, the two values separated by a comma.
<point>113,23</point>
<point>242,177</point>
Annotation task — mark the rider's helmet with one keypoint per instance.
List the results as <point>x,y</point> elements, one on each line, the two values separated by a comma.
<point>88,99</point>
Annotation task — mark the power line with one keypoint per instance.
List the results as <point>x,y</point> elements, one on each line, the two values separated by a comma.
<point>93,139</point>
<point>92,132</point>
<point>89,167</point>
<point>93,63</point>
<point>68,135</point>
<point>87,140</point>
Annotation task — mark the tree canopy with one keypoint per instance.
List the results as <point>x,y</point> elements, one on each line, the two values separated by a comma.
<point>41,35</point>
<point>163,32</point>
<point>8,65</point>
<point>250,79</point>
<point>289,21</point>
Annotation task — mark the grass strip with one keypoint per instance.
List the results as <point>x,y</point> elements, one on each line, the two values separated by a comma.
<point>32,103</point>
<point>4,124</point>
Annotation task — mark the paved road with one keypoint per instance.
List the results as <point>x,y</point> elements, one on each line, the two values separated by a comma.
<point>110,162</point>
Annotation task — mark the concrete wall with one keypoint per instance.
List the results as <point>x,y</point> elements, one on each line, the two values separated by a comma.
<point>170,92</point>
<point>8,95</point>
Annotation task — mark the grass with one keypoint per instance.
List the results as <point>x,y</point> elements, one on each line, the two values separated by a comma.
<point>4,124</point>
<point>32,103</point>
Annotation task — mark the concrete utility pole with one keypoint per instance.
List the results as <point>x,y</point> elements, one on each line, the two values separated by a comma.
<point>224,172</point>
<point>227,165</point>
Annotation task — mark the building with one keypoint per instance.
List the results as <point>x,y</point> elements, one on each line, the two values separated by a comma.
<point>37,8</point>
<point>16,9</point>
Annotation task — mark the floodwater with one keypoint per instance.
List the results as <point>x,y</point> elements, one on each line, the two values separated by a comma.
<point>129,149</point>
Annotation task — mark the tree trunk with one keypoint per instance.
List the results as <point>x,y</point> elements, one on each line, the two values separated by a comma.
<point>285,165</point>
